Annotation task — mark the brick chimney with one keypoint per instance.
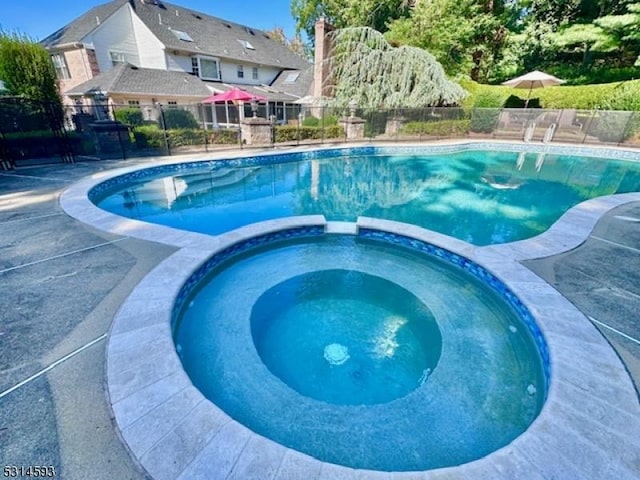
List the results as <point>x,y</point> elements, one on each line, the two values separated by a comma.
<point>322,53</point>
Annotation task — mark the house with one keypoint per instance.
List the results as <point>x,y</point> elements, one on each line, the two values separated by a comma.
<point>149,52</point>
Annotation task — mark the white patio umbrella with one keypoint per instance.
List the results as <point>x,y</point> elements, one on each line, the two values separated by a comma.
<point>531,80</point>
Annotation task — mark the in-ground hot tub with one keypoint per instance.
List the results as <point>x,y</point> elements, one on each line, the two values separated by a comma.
<point>372,351</point>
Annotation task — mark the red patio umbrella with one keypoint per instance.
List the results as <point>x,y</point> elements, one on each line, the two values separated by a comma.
<point>234,95</point>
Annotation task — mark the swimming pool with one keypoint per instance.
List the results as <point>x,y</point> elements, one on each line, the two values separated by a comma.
<point>174,433</point>
<point>481,196</point>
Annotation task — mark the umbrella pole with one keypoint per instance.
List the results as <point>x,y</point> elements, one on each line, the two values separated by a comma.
<point>526,103</point>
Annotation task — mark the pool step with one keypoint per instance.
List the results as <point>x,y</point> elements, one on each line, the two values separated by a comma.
<point>342,228</point>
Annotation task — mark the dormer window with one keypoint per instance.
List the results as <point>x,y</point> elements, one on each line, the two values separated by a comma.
<point>246,44</point>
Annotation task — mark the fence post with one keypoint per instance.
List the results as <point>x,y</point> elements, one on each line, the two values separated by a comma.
<point>119,132</point>
<point>164,129</point>
<point>627,128</point>
<point>586,130</point>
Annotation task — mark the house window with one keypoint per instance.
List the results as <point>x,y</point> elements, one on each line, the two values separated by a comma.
<point>205,68</point>
<point>134,103</point>
<point>60,65</point>
<point>240,71</point>
<point>117,58</point>
<point>254,73</point>
<point>172,104</point>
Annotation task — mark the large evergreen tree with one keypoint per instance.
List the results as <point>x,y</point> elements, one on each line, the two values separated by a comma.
<point>366,69</point>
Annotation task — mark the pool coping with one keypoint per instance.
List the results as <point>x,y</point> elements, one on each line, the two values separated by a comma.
<point>174,432</point>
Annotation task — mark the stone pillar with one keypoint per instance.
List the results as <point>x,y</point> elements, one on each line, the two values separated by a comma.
<point>354,127</point>
<point>393,126</point>
<point>256,131</point>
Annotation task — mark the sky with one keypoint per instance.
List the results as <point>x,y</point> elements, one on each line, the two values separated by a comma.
<point>39,18</point>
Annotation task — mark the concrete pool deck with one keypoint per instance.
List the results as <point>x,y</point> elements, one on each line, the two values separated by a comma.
<point>64,281</point>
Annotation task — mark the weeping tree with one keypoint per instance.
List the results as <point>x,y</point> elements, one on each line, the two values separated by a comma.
<point>365,68</point>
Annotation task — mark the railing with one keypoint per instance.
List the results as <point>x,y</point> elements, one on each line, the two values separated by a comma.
<point>120,132</point>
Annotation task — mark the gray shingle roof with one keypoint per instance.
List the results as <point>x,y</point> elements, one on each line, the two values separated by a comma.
<point>126,78</point>
<point>211,35</point>
<point>81,26</point>
<point>272,96</point>
<point>301,84</point>
<point>215,36</point>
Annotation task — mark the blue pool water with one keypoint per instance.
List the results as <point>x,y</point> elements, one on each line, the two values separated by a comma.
<point>361,353</point>
<point>478,196</point>
<point>346,337</point>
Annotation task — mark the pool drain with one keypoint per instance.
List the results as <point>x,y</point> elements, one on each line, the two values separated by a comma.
<point>336,354</point>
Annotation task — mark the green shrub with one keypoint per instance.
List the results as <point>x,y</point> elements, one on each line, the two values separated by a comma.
<point>623,96</point>
<point>43,143</point>
<point>328,121</point>
<point>149,136</point>
<point>129,116</point>
<point>490,98</point>
<point>311,122</point>
<point>183,137</point>
<point>224,137</point>
<point>444,128</point>
<point>614,96</point>
<point>177,118</point>
<point>288,133</point>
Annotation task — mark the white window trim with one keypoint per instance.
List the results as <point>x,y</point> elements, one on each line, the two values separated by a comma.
<point>211,59</point>
<point>61,67</point>
<point>255,73</point>
<point>240,71</point>
<point>117,57</point>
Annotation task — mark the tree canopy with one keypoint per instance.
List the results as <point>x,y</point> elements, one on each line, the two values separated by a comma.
<point>492,40</point>
<point>26,68</point>
<point>348,13</point>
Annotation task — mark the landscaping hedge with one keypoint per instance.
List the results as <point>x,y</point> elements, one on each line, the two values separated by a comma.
<point>288,133</point>
<point>178,119</point>
<point>608,96</point>
<point>150,136</point>
<point>443,128</point>
<point>43,143</point>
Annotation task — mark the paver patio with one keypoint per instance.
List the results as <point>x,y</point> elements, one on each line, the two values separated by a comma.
<point>63,282</point>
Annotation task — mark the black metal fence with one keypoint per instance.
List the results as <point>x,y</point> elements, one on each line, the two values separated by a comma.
<point>29,130</point>
<point>32,130</point>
